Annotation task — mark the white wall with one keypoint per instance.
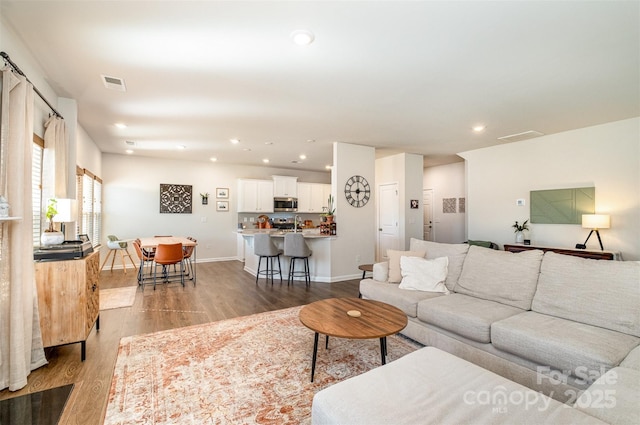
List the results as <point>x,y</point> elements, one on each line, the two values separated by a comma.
<point>355,242</point>
<point>447,181</point>
<point>131,193</point>
<point>405,170</point>
<point>605,156</point>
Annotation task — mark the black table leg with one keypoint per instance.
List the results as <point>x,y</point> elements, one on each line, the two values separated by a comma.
<point>383,349</point>
<point>315,355</point>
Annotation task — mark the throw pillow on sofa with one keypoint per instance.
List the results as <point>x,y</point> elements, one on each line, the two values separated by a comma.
<point>395,276</point>
<point>420,274</point>
<point>456,252</point>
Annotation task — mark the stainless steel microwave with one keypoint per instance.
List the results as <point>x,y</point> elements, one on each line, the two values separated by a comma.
<point>285,204</point>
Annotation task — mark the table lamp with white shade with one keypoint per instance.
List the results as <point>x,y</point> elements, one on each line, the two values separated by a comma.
<point>595,222</point>
<point>67,212</point>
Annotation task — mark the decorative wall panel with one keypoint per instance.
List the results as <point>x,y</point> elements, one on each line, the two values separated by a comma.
<point>175,198</point>
<point>561,206</point>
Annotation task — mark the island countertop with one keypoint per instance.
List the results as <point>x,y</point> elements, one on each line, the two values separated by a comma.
<point>275,233</point>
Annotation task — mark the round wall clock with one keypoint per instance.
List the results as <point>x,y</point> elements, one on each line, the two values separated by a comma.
<point>357,191</point>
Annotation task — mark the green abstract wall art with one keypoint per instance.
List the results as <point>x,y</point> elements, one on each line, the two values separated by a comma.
<point>561,206</point>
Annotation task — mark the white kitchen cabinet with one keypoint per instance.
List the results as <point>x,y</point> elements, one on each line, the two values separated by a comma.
<point>255,195</point>
<point>312,197</point>
<point>285,187</point>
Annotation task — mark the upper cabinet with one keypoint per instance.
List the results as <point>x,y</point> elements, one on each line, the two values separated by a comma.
<point>312,197</point>
<point>255,196</point>
<point>285,187</point>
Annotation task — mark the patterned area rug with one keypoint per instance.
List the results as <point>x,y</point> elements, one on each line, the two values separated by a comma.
<point>249,370</point>
<point>117,297</point>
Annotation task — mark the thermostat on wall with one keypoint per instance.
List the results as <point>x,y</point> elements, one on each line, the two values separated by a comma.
<point>520,202</point>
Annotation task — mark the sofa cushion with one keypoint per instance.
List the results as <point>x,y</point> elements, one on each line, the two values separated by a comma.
<point>501,276</point>
<point>614,397</point>
<point>632,361</point>
<point>395,276</point>
<point>420,274</point>
<point>573,347</point>
<point>464,315</point>
<point>389,293</point>
<point>597,292</point>
<point>430,386</point>
<point>455,252</point>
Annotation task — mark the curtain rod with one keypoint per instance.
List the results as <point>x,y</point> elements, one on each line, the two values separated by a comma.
<point>15,67</point>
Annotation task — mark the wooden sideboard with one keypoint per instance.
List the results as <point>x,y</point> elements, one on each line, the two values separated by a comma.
<point>595,255</point>
<point>68,300</point>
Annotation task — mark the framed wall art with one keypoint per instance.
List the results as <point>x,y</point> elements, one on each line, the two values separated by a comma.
<point>222,206</point>
<point>175,198</point>
<point>222,193</point>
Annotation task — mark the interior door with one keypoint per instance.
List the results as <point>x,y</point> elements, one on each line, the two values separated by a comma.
<point>427,199</point>
<point>388,218</point>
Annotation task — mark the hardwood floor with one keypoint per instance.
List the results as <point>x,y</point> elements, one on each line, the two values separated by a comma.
<point>223,291</point>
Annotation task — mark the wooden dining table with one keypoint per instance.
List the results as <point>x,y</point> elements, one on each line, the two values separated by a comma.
<point>151,243</point>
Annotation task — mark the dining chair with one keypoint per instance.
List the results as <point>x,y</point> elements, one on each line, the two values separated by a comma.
<point>167,255</point>
<point>145,257</point>
<point>188,256</point>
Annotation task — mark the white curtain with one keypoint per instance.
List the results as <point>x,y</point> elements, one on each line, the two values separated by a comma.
<point>55,157</point>
<point>21,348</point>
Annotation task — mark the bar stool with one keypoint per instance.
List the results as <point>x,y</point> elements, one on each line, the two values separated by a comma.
<point>265,248</point>
<point>296,248</point>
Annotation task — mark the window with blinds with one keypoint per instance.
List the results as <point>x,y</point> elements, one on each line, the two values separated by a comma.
<point>89,193</point>
<point>36,188</point>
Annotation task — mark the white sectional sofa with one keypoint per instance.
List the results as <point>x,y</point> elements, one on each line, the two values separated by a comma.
<point>553,323</point>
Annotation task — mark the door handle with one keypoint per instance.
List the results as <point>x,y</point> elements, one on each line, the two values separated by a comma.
<point>380,229</point>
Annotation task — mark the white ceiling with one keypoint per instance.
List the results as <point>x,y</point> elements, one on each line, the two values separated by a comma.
<point>400,76</point>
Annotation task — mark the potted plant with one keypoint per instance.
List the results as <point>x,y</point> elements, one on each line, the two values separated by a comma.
<point>51,236</point>
<point>519,230</point>
<point>205,198</point>
<point>330,209</point>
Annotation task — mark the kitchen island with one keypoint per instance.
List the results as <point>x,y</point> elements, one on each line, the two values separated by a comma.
<point>319,262</point>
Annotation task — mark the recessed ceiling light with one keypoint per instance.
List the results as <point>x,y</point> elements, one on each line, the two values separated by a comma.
<point>479,128</point>
<point>182,147</point>
<point>235,141</point>
<point>302,37</point>
<point>213,159</point>
<point>303,156</point>
<point>129,151</point>
<point>266,160</point>
<point>120,125</point>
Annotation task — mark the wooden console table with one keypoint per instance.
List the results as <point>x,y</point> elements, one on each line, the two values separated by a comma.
<point>595,255</point>
<point>68,300</point>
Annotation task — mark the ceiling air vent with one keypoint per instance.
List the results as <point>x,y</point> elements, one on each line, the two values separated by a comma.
<point>130,143</point>
<point>113,83</point>
<point>521,136</point>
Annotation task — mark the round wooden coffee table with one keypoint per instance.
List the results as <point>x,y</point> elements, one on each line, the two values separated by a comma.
<point>353,318</point>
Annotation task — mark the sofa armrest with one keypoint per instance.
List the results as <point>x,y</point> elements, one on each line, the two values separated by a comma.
<point>381,271</point>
